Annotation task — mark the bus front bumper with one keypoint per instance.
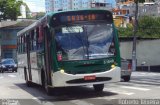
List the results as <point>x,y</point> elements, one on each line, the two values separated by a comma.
<point>60,79</point>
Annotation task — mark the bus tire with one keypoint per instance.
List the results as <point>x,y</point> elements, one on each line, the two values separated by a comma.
<point>98,87</point>
<point>45,84</point>
<point>126,78</point>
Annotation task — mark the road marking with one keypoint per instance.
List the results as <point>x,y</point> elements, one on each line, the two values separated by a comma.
<point>106,98</point>
<point>12,76</point>
<point>40,101</point>
<point>119,91</point>
<point>35,98</point>
<point>135,88</point>
<point>122,92</point>
<point>79,102</point>
<point>38,98</point>
<point>145,74</point>
<point>47,103</point>
<point>142,81</point>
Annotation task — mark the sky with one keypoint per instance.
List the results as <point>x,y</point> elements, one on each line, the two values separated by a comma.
<point>39,5</point>
<point>36,5</point>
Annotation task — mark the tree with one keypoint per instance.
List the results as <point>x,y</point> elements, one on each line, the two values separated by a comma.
<point>125,31</point>
<point>10,9</point>
<point>149,27</point>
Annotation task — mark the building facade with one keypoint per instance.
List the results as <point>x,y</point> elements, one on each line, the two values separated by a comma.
<point>8,37</point>
<point>8,42</point>
<point>64,5</point>
<point>149,7</point>
<point>23,12</point>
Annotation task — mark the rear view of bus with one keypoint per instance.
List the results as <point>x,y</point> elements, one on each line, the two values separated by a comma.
<point>85,49</point>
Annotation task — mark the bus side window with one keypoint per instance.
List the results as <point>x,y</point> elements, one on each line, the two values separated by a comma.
<point>31,40</point>
<point>37,35</point>
<point>40,38</point>
<point>25,41</point>
<point>34,40</point>
<point>18,44</point>
<point>21,44</point>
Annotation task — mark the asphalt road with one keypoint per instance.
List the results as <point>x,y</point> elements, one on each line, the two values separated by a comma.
<point>143,85</point>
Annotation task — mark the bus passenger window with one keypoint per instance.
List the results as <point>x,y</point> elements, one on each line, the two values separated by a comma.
<point>21,44</point>
<point>31,40</point>
<point>18,44</point>
<point>37,35</point>
<point>40,38</point>
<point>25,41</point>
<point>34,40</point>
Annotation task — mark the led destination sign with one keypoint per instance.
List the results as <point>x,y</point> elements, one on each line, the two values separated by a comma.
<point>81,16</point>
<point>87,17</point>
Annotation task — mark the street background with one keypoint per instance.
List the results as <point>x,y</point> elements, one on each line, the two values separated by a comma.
<point>143,85</point>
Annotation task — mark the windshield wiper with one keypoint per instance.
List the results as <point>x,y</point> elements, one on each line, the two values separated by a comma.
<point>79,37</point>
<point>87,41</point>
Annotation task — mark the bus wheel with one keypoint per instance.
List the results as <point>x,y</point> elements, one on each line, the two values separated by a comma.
<point>126,78</point>
<point>98,87</point>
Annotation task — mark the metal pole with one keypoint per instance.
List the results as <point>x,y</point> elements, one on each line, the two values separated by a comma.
<point>134,37</point>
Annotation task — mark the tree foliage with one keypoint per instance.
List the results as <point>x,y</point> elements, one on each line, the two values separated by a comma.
<point>125,31</point>
<point>148,27</point>
<point>145,27</point>
<point>9,9</point>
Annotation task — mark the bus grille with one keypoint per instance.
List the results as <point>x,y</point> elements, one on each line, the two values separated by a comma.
<point>81,80</point>
<point>84,72</point>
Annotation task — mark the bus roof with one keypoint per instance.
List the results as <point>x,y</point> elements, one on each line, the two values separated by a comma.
<point>48,17</point>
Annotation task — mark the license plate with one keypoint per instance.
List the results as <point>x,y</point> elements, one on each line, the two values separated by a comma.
<point>92,77</point>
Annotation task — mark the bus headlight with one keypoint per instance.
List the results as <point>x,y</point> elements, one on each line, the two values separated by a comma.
<point>62,70</point>
<point>113,66</point>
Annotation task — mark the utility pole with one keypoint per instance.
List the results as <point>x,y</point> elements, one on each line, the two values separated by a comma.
<point>135,37</point>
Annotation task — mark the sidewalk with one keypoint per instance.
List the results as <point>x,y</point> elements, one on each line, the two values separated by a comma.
<point>149,68</point>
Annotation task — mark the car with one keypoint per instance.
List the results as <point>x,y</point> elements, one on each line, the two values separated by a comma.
<point>126,70</point>
<point>8,65</point>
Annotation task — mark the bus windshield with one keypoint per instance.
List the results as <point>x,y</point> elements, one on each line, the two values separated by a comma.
<point>84,42</point>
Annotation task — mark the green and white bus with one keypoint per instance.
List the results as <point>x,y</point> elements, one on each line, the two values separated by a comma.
<point>70,48</point>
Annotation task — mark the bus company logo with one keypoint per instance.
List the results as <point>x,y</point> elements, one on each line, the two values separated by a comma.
<point>108,61</point>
